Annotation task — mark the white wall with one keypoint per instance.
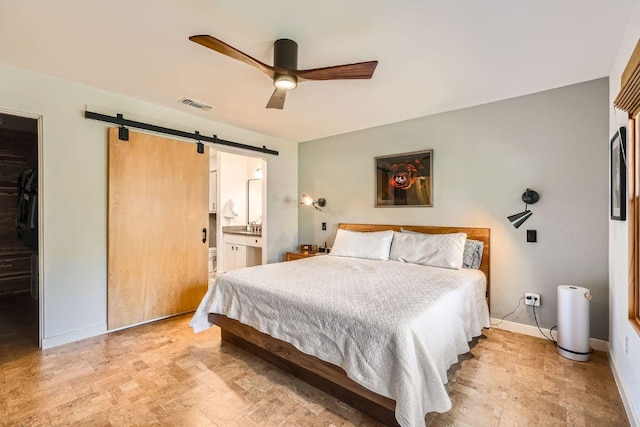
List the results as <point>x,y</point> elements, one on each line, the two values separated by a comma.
<point>484,159</point>
<point>252,165</point>
<point>75,185</point>
<point>625,363</point>
<point>255,203</point>
<point>232,176</point>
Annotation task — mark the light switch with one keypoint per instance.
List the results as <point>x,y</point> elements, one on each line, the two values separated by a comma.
<point>532,236</point>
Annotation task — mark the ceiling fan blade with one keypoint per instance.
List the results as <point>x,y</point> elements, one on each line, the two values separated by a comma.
<point>232,52</point>
<point>277,99</point>
<point>361,70</point>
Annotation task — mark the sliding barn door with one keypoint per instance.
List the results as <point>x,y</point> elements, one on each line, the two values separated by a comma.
<point>158,208</point>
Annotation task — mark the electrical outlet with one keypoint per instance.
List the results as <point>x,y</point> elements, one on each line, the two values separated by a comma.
<point>532,299</point>
<point>324,226</point>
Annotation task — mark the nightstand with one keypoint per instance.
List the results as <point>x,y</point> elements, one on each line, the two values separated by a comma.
<point>291,256</point>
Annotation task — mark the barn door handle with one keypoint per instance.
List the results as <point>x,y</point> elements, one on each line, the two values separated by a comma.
<point>204,235</point>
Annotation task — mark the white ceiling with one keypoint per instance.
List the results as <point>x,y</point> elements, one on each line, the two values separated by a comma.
<point>434,55</point>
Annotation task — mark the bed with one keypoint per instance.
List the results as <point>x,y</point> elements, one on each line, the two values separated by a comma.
<point>378,335</point>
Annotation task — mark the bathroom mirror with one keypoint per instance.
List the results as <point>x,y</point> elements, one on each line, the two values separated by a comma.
<point>254,200</point>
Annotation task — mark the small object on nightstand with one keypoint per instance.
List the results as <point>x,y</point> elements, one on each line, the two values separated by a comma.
<point>532,236</point>
<point>309,248</point>
<point>324,249</point>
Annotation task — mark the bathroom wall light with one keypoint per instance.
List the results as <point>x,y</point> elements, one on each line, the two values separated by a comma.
<point>529,197</point>
<point>308,200</point>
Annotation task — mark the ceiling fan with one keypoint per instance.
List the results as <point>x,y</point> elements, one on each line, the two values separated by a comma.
<point>284,72</point>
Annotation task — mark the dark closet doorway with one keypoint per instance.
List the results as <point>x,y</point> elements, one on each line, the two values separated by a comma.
<point>19,284</point>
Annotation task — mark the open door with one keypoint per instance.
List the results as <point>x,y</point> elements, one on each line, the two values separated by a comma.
<point>158,228</point>
<point>20,231</point>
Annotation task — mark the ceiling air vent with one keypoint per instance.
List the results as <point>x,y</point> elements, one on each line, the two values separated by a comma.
<point>195,104</point>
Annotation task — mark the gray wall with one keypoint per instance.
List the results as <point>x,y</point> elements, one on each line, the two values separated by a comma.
<point>484,158</point>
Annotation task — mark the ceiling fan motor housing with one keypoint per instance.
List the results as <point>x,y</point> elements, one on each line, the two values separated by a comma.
<point>285,54</point>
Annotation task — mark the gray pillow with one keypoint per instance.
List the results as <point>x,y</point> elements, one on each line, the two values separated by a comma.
<point>472,255</point>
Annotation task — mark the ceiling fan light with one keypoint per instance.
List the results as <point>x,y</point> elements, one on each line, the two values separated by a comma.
<point>283,81</point>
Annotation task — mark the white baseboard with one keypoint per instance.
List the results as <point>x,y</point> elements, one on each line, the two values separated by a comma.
<point>634,420</point>
<point>533,331</point>
<point>73,336</point>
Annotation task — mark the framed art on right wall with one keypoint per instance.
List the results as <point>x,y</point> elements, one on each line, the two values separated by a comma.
<point>619,175</point>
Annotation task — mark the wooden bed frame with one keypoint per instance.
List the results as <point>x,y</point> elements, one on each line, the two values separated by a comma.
<point>325,376</point>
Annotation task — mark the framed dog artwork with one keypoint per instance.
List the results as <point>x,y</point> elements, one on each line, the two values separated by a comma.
<point>404,179</point>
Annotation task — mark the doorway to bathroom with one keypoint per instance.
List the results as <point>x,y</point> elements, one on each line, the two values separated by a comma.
<point>237,211</point>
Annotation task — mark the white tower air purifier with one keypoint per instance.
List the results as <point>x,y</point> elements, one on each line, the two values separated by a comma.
<point>574,304</point>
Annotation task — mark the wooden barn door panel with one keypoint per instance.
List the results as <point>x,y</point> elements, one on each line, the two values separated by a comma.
<point>158,206</point>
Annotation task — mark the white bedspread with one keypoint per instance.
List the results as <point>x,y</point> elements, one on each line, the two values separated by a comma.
<point>395,328</point>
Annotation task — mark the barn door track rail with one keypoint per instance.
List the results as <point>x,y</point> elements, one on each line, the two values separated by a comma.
<point>124,134</point>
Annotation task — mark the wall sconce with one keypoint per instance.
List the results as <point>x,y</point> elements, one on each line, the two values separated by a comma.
<point>529,197</point>
<point>308,200</point>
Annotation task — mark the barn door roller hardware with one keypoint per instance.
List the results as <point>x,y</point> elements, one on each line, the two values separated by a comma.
<point>199,143</point>
<point>123,132</point>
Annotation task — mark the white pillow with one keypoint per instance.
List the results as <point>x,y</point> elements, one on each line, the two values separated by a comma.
<point>472,254</point>
<point>435,250</point>
<point>369,245</point>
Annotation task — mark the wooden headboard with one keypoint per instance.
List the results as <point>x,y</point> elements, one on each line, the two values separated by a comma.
<point>482,234</point>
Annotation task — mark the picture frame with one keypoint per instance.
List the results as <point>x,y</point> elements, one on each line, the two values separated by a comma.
<point>404,180</point>
<point>618,181</point>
